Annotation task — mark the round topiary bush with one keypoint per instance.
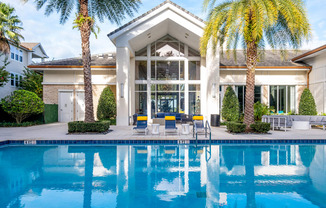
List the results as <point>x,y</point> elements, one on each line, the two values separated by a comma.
<point>230,108</point>
<point>107,107</point>
<point>307,105</point>
<point>21,104</point>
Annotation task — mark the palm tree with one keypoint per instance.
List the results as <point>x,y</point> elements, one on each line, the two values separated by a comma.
<point>87,11</point>
<point>10,28</point>
<point>255,23</point>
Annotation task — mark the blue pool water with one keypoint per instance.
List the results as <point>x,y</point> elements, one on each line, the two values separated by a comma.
<point>163,176</point>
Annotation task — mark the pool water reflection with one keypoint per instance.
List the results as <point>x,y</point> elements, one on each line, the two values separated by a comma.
<point>163,176</point>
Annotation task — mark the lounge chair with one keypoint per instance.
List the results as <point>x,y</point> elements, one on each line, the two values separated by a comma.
<point>198,126</point>
<point>141,125</point>
<point>170,125</point>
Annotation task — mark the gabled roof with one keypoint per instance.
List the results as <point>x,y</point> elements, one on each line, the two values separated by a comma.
<point>152,10</point>
<point>106,59</point>
<point>309,53</point>
<point>269,59</point>
<point>30,46</point>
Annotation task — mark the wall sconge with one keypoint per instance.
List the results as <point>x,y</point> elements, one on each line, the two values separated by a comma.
<point>214,90</point>
<point>121,91</point>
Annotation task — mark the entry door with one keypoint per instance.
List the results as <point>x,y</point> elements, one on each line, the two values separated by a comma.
<point>80,106</point>
<point>65,106</point>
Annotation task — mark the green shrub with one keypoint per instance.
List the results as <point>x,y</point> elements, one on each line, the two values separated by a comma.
<point>21,104</point>
<point>230,108</point>
<point>235,127</point>
<point>50,113</point>
<point>107,107</point>
<point>32,82</point>
<point>24,124</point>
<point>307,105</point>
<point>4,75</point>
<point>260,127</point>
<point>81,126</point>
<point>260,110</point>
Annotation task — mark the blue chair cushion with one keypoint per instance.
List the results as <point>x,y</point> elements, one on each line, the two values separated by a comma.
<point>160,115</point>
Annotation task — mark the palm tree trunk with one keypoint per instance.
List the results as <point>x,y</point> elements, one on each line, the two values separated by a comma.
<point>85,31</point>
<point>252,54</point>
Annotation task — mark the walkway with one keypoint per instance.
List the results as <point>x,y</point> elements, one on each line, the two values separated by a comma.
<point>58,131</point>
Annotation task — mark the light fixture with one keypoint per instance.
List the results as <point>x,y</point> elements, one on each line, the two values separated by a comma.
<point>121,91</point>
<point>214,90</point>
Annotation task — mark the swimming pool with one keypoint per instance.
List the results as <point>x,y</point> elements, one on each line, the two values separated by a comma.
<point>163,176</point>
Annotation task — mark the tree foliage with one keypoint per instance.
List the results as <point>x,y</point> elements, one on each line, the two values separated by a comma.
<point>260,110</point>
<point>230,108</point>
<point>10,27</point>
<point>307,105</point>
<point>4,75</point>
<point>254,24</point>
<point>21,104</point>
<point>107,107</point>
<point>32,82</point>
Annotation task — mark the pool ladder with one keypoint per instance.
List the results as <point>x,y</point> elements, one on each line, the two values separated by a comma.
<point>207,132</point>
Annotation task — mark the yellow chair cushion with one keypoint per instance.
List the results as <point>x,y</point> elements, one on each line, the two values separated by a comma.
<point>198,118</point>
<point>141,118</point>
<point>170,118</point>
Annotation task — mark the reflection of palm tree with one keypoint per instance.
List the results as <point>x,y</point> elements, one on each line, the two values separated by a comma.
<point>229,156</point>
<point>307,154</point>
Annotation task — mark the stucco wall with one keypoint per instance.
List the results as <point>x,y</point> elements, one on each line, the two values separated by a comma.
<point>264,77</point>
<point>74,76</point>
<point>51,92</point>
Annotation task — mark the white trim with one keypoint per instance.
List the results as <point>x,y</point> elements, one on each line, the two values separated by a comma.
<point>243,83</point>
<point>65,90</point>
<point>265,69</point>
<point>71,69</point>
<point>77,83</point>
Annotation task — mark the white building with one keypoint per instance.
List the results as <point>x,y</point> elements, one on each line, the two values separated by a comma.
<point>157,68</point>
<point>19,58</point>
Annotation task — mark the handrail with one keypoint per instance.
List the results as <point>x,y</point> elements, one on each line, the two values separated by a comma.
<point>207,128</point>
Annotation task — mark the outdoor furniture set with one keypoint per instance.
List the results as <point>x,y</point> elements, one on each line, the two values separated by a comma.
<point>298,122</point>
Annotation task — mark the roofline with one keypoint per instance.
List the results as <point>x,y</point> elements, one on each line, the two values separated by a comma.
<point>267,67</point>
<point>20,46</point>
<point>65,66</point>
<point>149,12</point>
<point>309,53</point>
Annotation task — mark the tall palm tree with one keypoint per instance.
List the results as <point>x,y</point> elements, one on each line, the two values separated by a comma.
<point>87,11</point>
<point>10,28</point>
<point>255,23</point>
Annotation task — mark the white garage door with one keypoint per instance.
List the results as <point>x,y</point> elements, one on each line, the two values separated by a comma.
<point>66,101</point>
<point>80,106</point>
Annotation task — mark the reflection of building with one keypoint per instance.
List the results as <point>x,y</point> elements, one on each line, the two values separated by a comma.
<point>155,176</point>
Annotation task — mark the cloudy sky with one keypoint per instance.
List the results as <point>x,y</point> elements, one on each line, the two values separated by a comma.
<point>61,41</point>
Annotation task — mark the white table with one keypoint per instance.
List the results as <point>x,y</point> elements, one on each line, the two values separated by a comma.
<point>300,125</point>
<point>185,129</point>
<point>156,129</point>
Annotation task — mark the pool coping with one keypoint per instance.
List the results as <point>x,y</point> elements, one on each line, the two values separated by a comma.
<point>158,142</point>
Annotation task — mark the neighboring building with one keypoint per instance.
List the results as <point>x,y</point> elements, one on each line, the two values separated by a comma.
<point>157,67</point>
<point>19,58</point>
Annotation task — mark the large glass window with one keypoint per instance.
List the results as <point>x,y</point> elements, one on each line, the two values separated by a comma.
<point>241,92</point>
<point>282,98</point>
<point>194,70</point>
<point>167,98</point>
<point>141,99</point>
<point>167,47</point>
<point>167,70</point>
<point>141,70</point>
<point>194,99</point>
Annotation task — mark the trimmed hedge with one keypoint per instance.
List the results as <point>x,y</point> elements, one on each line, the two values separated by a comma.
<point>230,107</point>
<point>24,124</point>
<point>50,113</point>
<point>260,127</point>
<point>307,105</point>
<point>235,127</point>
<point>81,126</point>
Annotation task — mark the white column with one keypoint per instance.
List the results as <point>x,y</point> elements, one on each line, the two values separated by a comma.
<point>132,71</point>
<point>186,100</point>
<point>149,111</point>
<point>123,65</point>
<point>212,78</point>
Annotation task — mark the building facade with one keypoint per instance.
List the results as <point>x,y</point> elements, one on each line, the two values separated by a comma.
<point>19,58</point>
<point>157,67</point>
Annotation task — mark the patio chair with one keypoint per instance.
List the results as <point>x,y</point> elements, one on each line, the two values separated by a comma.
<point>141,125</point>
<point>170,125</point>
<point>198,124</point>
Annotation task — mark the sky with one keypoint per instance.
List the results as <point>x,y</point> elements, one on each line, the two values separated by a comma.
<point>61,41</point>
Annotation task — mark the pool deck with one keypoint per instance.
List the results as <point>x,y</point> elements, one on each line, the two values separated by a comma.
<point>58,131</point>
